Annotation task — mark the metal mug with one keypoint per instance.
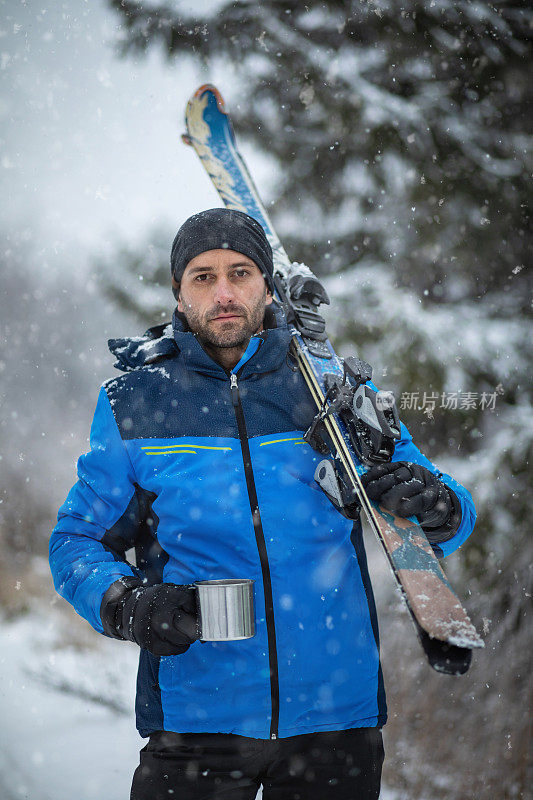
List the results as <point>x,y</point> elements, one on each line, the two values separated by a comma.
<point>225,609</point>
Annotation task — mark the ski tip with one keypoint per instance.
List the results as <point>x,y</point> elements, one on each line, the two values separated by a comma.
<point>205,111</point>
<point>209,87</point>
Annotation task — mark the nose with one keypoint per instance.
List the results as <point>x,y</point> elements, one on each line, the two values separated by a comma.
<point>224,293</point>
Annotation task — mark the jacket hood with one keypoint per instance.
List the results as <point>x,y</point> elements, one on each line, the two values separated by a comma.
<point>159,342</point>
<point>138,351</point>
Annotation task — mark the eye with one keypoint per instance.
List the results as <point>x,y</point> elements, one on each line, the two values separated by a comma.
<point>201,277</point>
<point>242,272</point>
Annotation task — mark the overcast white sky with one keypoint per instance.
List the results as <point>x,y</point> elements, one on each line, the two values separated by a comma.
<point>90,144</point>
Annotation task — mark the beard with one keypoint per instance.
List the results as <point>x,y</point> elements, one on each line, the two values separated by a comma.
<point>229,333</point>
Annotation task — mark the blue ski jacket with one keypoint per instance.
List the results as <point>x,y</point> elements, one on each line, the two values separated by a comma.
<point>205,484</point>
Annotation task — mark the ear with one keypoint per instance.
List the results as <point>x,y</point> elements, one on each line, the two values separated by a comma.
<point>268,293</point>
<point>177,295</point>
<point>175,288</point>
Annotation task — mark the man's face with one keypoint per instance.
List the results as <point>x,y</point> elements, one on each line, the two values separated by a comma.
<point>223,295</point>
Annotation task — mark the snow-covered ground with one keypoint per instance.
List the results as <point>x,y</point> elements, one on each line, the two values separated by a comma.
<point>66,705</point>
<point>68,728</point>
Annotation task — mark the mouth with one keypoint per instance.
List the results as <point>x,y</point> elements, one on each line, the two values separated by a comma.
<point>225,317</point>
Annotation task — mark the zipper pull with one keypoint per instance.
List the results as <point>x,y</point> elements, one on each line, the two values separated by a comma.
<point>234,389</point>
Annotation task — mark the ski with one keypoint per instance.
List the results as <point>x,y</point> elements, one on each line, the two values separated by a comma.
<point>354,425</point>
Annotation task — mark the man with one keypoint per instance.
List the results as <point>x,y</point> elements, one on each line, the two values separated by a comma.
<point>197,460</point>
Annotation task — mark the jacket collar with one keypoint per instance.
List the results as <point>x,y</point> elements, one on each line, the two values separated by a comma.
<point>165,341</point>
<point>272,350</point>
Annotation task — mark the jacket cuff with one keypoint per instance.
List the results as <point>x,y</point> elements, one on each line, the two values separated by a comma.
<point>111,606</point>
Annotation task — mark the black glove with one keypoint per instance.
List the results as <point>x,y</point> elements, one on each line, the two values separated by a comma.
<point>410,490</point>
<point>160,618</point>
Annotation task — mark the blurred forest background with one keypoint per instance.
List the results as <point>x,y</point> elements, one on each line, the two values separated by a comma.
<point>394,144</point>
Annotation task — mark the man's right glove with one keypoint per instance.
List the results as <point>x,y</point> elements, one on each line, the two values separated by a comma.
<point>160,618</point>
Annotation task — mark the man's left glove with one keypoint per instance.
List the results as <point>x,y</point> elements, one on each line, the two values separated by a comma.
<point>160,618</point>
<point>410,490</point>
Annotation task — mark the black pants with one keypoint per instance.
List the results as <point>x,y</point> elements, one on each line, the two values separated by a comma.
<point>338,765</point>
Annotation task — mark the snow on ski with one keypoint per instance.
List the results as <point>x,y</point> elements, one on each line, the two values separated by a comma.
<point>445,631</point>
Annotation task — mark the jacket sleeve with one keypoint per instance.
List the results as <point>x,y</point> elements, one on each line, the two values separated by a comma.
<point>84,557</point>
<point>406,450</point>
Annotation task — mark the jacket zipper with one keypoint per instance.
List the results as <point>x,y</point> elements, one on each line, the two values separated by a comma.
<point>263,556</point>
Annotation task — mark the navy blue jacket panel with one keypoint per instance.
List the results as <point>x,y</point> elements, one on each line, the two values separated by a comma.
<point>166,474</point>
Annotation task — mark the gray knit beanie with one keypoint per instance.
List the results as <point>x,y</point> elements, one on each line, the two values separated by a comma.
<point>221,228</point>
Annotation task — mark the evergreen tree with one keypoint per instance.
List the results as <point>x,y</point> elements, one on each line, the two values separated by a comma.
<point>136,278</point>
<point>401,127</point>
